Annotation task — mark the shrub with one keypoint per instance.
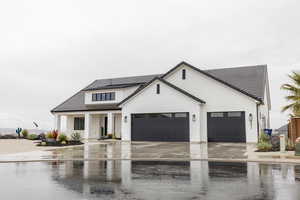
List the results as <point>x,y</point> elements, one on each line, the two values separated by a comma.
<point>264,138</point>
<point>49,135</point>
<point>32,136</point>
<point>76,136</point>
<point>264,146</point>
<point>63,142</point>
<point>25,133</point>
<point>55,134</point>
<point>62,137</point>
<point>290,146</point>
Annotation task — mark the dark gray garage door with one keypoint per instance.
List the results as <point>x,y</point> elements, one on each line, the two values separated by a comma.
<point>226,127</point>
<point>160,127</point>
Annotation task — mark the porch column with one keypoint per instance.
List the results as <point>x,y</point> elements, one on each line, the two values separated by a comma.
<point>110,123</point>
<point>87,125</point>
<point>57,122</point>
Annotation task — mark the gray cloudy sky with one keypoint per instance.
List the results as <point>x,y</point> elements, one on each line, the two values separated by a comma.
<point>51,49</point>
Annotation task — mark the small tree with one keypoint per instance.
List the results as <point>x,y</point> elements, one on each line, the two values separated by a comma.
<point>294,94</point>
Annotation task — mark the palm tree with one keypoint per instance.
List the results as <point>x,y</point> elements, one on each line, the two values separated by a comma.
<point>294,94</point>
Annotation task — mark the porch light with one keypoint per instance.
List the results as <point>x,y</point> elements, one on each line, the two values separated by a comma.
<point>194,117</point>
<point>125,119</point>
<point>250,119</point>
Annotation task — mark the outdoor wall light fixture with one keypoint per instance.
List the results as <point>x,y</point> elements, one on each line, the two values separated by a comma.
<point>125,119</point>
<point>194,117</point>
<point>250,119</point>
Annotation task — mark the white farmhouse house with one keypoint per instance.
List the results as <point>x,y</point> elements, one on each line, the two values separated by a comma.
<point>184,104</point>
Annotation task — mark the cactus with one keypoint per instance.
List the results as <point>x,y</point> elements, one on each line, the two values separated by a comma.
<point>18,131</point>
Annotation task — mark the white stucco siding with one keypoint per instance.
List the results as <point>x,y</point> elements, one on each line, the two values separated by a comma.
<point>263,111</point>
<point>70,125</point>
<point>117,127</point>
<point>218,97</point>
<point>120,94</point>
<point>169,100</point>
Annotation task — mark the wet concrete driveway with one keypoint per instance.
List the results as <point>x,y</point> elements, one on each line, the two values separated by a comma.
<point>138,151</point>
<point>126,179</point>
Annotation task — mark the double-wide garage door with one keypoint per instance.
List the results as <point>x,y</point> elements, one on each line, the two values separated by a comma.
<point>160,127</point>
<point>226,127</point>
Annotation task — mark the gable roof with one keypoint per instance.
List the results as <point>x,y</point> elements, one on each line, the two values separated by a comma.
<point>122,82</point>
<point>76,104</point>
<point>250,79</point>
<point>168,84</point>
<point>232,80</point>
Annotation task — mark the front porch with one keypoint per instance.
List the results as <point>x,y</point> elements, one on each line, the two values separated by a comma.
<point>91,125</point>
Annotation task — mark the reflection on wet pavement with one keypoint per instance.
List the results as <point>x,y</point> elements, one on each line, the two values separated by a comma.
<point>138,150</point>
<point>126,179</point>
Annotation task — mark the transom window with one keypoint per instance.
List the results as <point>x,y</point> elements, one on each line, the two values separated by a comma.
<point>79,123</point>
<point>107,96</point>
<point>217,114</point>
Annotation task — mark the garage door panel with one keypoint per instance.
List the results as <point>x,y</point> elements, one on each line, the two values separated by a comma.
<point>226,127</point>
<point>160,127</point>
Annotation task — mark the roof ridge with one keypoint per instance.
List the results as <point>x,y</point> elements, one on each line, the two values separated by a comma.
<point>241,66</point>
<point>120,77</point>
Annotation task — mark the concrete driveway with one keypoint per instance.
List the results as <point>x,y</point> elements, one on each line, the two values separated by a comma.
<point>178,151</point>
<point>137,151</point>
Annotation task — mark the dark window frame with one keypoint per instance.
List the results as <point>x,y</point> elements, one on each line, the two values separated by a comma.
<point>104,96</point>
<point>79,123</point>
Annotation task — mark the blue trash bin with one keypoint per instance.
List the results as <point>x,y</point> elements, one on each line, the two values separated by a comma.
<point>268,131</point>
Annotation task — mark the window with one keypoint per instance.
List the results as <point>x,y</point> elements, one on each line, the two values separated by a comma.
<point>183,74</point>
<point>234,114</point>
<point>157,89</point>
<point>180,115</point>
<point>78,123</point>
<point>109,96</point>
<point>217,114</point>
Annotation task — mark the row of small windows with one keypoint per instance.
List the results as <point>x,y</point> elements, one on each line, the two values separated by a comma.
<point>108,96</point>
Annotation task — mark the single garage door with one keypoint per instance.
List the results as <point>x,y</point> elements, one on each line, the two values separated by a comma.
<point>226,127</point>
<point>160,127</point>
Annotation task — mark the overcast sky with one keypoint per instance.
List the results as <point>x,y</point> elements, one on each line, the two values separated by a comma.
<point>51,49</point>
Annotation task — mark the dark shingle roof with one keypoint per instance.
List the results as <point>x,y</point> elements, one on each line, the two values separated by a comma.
<point>120,82</point>
<point>250,80</point>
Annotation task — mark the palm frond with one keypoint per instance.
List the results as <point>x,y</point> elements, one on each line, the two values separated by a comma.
<point>293,98</point>
<point>289,87</point>
<point>287,107</point>
<point>294,94</point>
<point>295,77</point>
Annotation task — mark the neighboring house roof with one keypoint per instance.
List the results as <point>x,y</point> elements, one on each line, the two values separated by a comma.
<point>283,128</point>
<point>250,80</point>
<point>168,84</point>
<point>247,80</point>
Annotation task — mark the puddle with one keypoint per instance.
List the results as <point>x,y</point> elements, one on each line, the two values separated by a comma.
<point>125,179</point>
